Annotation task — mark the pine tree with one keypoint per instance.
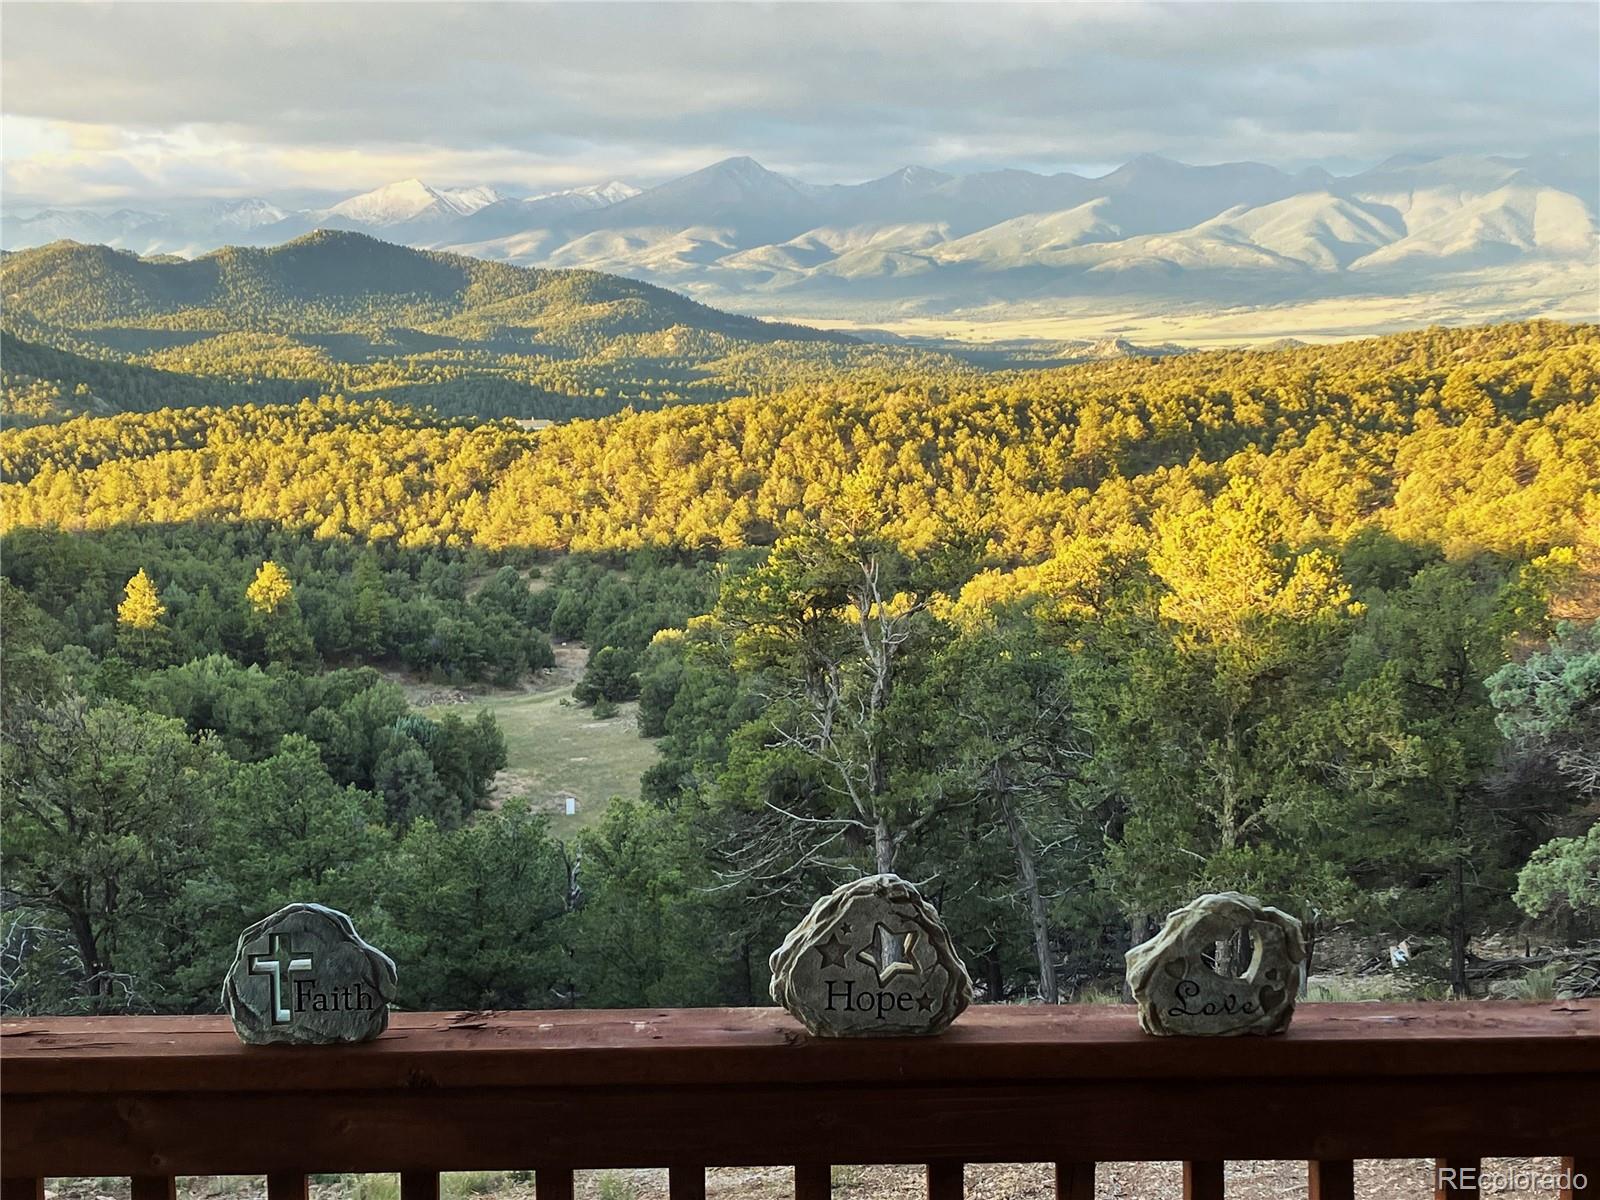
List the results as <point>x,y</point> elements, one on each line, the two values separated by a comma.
<point>368,617</point>
<point>140,634</point>
<point>276,618</point>
<point>270,590</point>
<point>141,606</point>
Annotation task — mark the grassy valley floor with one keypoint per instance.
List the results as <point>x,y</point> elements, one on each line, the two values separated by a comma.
<point>556,748</point>
<point>1211,326</point>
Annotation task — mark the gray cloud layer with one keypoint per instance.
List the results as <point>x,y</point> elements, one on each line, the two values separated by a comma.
<point>235,97</point>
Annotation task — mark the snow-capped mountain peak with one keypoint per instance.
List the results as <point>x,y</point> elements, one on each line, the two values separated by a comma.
<point>611,192</point>
<point>469,199</point>
<point>605,193</point>
<point>388,205</point>
<point>249,213</point>
<point>410,200</point>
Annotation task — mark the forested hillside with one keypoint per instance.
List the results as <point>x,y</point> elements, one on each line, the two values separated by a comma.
<point>328,278</point>
<point>1067,647</point>
<point>343,313</point>
<point>1484,438</point>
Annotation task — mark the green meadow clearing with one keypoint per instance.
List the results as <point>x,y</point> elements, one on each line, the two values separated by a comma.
<point>556,748</point>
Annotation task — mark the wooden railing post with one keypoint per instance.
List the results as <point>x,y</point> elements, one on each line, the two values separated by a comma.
<point>288,1187</point>
<point>419,1185</point>
<point>946,1180</point>
<point>1582,1180</point>
<point>1074,1181</point>
<point>1202,1180</point>
<point>1331,1179</point>
<point>813,1181</point>
<point>553,1183</point>
<point>686,1183</point>
<point>153,1187</point>
<point>21,1187</point>
<point>1455,1178</point>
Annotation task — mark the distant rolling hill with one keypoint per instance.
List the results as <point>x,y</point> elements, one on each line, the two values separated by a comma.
<point>93,329</point>
<point>337,280</point>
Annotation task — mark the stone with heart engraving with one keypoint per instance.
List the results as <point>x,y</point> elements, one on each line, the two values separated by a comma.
<point>1180,993</point>
<point>304,976</point>
<point>872,959</point>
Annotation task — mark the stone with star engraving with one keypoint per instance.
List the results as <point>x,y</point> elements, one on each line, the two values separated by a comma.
<point>304,976</point>
<point>1179,992</point>
<point>871,960</point>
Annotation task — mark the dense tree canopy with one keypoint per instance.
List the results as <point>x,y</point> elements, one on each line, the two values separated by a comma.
<point>1466,439</point>
<point>1064,646</point>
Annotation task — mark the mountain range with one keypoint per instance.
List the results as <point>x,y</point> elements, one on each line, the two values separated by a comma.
<point>1503,235</point>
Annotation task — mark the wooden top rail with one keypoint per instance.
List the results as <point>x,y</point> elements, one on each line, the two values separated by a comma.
<point>612,1088</point>
<point>730,1046</point>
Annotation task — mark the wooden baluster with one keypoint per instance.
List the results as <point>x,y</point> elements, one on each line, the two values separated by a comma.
<point>813,1181</point>
<point>419,1185</point>
<point>1332,1179</point>
<point>686,1183</point>
<point>21,1187</point>
<point>1202,1180</point>
<point>153,1187</point>
<point>288,1187</point>
<point>946,1180</point>
<point>1586,1167</point>
<point>1074,1181</point>
<point>1455,1179</point>
<point>553,1184</point>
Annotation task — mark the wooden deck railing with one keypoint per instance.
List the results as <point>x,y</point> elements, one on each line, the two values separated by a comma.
<point>157,1097</point>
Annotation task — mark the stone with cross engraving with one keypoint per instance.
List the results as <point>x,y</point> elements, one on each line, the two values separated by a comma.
<point>871,960</point>
<point>304,976</point>
<point>1179,989</point>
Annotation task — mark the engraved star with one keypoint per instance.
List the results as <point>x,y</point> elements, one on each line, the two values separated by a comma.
<point>925,1002</point>
<point>834,951</point>
<point>890,953</point>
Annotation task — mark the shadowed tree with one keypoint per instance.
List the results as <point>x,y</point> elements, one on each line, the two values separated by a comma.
<point>107,812</point>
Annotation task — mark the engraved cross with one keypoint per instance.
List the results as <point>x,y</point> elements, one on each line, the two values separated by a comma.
<point>282,963</point>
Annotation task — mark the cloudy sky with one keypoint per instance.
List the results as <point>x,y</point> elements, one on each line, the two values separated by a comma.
<point>127,101</point>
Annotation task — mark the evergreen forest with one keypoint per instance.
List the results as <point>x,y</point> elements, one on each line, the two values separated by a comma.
<point>1066,646</point>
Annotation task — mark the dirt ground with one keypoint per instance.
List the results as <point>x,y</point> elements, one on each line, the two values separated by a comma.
<point>1381,1179</point>
<point>1397,1179</point>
